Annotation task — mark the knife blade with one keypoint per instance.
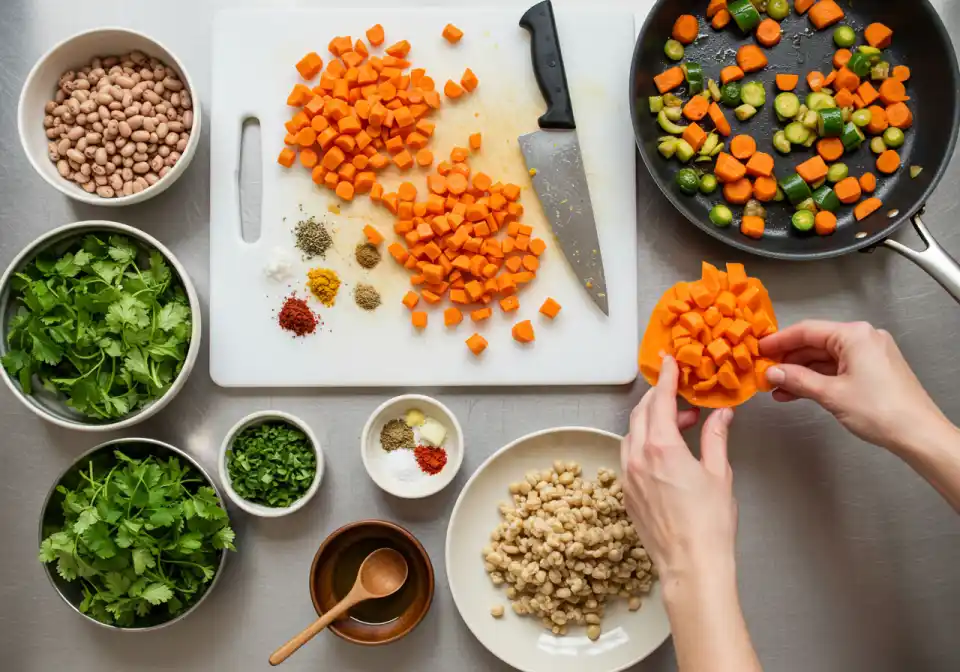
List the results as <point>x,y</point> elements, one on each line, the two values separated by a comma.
<point>555,161</point>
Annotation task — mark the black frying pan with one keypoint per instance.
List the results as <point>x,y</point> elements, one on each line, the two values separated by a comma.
<point>920,41</point>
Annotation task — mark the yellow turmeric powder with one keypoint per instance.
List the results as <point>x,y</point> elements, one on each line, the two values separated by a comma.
<point>324,284</point>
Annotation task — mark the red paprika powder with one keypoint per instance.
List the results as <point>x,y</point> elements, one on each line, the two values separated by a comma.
<point>297,317</point>
<point>430,459</point>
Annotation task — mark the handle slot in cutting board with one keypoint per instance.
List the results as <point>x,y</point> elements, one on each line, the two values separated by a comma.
<point>250,180</point>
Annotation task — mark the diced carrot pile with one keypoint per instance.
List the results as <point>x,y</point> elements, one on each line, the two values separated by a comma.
<point>365,113</point>
<point>712,328</point>
<point>464,241</point>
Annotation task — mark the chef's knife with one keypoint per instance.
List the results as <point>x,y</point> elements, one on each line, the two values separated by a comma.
<point>555,162</point>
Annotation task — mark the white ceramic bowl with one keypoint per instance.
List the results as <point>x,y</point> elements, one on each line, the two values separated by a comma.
<point>522,641</point>
<point>51,407</point>
<point>75,52</point>
<point>375,458</point>
<point>253,420</point>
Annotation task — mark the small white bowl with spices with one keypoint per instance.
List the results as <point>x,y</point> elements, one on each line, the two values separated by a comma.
<point>412,446</point>
<point>265,463</point>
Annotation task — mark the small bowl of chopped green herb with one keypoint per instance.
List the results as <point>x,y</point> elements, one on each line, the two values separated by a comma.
<point>100,326</point>
<point>134,534</point>
<point>271,464</point>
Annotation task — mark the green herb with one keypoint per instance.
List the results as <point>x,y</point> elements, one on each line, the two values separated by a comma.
<point>99,326</point>
<point>271,464</point>
<point>138,534</point>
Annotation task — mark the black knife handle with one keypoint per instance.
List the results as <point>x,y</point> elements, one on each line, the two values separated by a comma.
<point>548,66</point>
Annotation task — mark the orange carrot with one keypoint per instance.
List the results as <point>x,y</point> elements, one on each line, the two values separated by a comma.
<point>841,58</point>
<point>287,157</point>
<point>803,5</point>
<point>523,332</point>
<point>719,121</point>
<point>469,80</point>
<point>668,80</point>
<point>451,33</point>
<point>411,298</point>
<point>550,308</point>
<point>728,169</point>
<point>686,28</point>
<point>696,109</point>
<point>751,58</point>
<point>768,33</point>
<point>742,147</point>
<point>375,35</point>
<point>760,165</point>
<point>509,304</point>
<point>452,90</point>
<point>825,222</point>
<point>847,79</point>
<point>888,162</point>
<point>901,72</point>
<point>900,116</point>
<point>831,149</point>
<point>310,65</point>
<point>765,188</point>
<point>866,208</point>
<point>892,91</point>
<point>825,13</point>
<point>475,140</point>
<point>787,82</point>
<point>867,93</point>
<point>731,73</point>
<point>721,19</point>
<point>868,183</point>
<point>374,237</point>
<point>878,35</point>
<point>695,135</point>
<point>738,192</point>
<point>848,190</point>
<point>714,7</point>
<point>477,344</point>
<point>812,170</point>
<point>752,227</point>
<point>452,316</point>
<point>830,78</point>
<point>815,80</point>
<point>844,98</point>
<point>878,120</point>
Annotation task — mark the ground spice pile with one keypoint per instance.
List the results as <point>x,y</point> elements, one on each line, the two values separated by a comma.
<point>396,435</point>
<point>324,284</point>
<point>368,255</point>
<point>431,459</point>
<point>312,238</point>
<point>296,316</point>
<point>366,296</point>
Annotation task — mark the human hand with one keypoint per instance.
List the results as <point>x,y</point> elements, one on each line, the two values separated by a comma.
<point>857,373</point>
<point>682,508</point>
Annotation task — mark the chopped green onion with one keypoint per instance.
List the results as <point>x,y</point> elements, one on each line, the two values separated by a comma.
<point>721,215</point>
<point>893,137</point>
<point>844,36</point>
<point>673,50</point>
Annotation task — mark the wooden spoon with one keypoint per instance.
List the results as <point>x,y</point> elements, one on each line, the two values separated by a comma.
<point>382,573</point>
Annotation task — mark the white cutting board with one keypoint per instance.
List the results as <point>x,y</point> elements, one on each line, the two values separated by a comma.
<point>253,70</point>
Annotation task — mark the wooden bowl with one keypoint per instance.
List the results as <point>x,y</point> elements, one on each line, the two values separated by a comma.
<point>416,594</point>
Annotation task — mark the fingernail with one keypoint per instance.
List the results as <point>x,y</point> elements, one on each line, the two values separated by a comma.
<point>727,416</point>
<point>776,375</point>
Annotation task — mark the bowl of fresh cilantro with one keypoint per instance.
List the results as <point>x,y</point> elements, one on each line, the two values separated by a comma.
<point>134,535</point>
<point>100,326</point>
<point>271,464</point>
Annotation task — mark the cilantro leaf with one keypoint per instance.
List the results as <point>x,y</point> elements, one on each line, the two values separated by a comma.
<point>271,464</point>
<point>125,533</point>
<point>172,315</point>
<point>122,250</point>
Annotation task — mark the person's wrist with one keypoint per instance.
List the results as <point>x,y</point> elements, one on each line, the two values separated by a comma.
<point>699,582</point>
<point>924,438</point>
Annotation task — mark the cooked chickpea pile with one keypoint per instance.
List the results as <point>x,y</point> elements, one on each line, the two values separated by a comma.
<point>119,125</point>
<point>565,546</point>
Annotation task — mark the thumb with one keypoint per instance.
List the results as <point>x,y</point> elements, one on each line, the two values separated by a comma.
<point>800,382</point>
<point>713,441</point>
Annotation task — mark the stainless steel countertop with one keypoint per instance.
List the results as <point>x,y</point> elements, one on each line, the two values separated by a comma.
<point>847,560</point>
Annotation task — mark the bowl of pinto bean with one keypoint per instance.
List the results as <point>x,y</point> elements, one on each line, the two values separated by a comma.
<point>109,117</point>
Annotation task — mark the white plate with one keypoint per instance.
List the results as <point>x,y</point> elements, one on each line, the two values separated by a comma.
<point>628,637</point>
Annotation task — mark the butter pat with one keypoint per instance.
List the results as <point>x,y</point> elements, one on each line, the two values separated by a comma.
<point>414,417</point>
<point>432,432</point>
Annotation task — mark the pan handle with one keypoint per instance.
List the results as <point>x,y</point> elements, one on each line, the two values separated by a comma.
<point>934,259</point>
